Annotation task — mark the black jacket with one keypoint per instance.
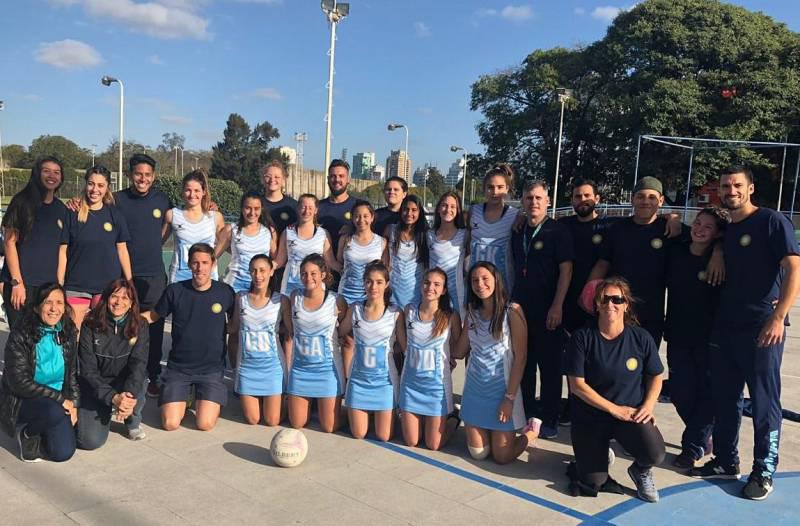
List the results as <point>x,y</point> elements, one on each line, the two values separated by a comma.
<point>19,369</point>
<point>110,363</point>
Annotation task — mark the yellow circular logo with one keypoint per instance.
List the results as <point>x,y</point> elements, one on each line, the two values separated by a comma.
<point>538,245</point>
<point>656,243</point>
<point>108,227</point>
<point>284,216</point>
<point>156,213</point>
<point>216,308</point>
<point>745,240</point>
<point>632,364</point>
<point>347,215</point>
<point>597,239</point>
<point>133,341</point>
<point>702,275</point>
<point>59,223</point>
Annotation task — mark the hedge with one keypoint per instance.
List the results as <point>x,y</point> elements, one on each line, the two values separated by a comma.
<point>226,194</point>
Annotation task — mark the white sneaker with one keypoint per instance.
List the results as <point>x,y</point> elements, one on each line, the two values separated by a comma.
<point>136,433</point>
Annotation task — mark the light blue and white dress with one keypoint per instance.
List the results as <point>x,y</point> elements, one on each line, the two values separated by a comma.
<point>356,257</point>
<point>492,241</point>
<point>406,274</point>
<point>261,363</point>
<point>316,369</point>
<point>373,379</point>
<point>243,248</point>
<point>487,375</point>
<point>298,248</point>
<point>448,255</point>
<point>185,234</point>
<point>426,385</point>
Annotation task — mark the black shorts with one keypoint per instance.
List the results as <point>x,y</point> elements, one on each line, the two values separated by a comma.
<point>149,290</point>
<point>176,386</point>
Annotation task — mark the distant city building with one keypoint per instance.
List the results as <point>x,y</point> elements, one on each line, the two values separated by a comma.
<point>344,154</point>
<point>378,172</point>
<point>362,165</point>
<point>290,153</point>
<point>421,173</point>
<point>455,173</point>
<point>398,165</point>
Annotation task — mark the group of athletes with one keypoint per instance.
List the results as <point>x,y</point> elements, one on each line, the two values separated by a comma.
<point>335,303</point>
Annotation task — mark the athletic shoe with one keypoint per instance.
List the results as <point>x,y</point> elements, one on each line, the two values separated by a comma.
<point>714,470</point>
<point>190,398</point>
<point>757,487</point>
<point>548,431</point>
<point>684,461</point>
<point>153,391</point>
<point>136,433</point>
<point>612,457</point>
<point>645,485</point>
<point>29,447</point>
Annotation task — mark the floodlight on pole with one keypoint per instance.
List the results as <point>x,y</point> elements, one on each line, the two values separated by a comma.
<point>455,149</point>
<point>335,12</point>
<point>394,126</point>
<point>564,95</point>
<point>107,81</point>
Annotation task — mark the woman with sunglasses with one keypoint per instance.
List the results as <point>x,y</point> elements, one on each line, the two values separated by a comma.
<point>615,377</point>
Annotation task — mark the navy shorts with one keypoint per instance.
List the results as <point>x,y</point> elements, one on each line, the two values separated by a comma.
<point>176,386</point>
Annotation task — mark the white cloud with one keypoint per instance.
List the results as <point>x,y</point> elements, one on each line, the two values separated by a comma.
<point>267,93</point>
<point>155,59</point>
<point>68,54</point>
<point>514,13</point>
<point>607,13</point>
<point>422,29</point>
<point>579,11</point>
<point>176,120</point>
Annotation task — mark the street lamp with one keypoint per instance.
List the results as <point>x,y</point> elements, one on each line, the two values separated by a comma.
<point>107,81</point>
<point>393,127</point>
<point>94,147</point>
<point>176,160</point>
<point>335,12</point>
<point>563,96</point>
<point>464,178</point>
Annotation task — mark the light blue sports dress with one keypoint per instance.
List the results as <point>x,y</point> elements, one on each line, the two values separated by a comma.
<point>487,377</point>
<point>373,379</point>
<point>492,241</point>
<point>316,369</point>
<point>406,273</point>
<point>448,255</point>
<point>426,385</point>
<point>297,249</point>
<point>262,364</point>
<point>243,248</point>
<point>185,234</point>
<point>356,257</point>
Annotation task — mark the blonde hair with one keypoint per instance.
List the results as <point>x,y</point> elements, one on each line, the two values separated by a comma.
<point>108,198</point>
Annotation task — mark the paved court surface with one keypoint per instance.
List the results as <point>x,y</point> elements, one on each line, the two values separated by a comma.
<point>226,477</point>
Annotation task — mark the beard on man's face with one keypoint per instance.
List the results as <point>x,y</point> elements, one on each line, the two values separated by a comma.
<point>585,209</point>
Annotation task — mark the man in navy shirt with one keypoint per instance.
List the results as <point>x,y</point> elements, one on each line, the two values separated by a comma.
<point>763,275</point>
<point>543,252</point>
<point>282,208</point>
<point>200,308</point>
<point>334,210</point>
<point>395,189</point>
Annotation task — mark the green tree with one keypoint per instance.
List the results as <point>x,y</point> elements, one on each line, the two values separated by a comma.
<point>15,156</point>
<point>243,151</point>
<point>436,184</point>
<point>72,155</point>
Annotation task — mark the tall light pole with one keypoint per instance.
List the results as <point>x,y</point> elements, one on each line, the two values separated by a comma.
<point>300,138</point>
<point>94,147</point>
<point>464,178</point>
<point>176,160</point>
<point>335,12</point>
<point>107,81</point>
<point>2,166</point>
<point>393,127</point>
<point>563,96</point>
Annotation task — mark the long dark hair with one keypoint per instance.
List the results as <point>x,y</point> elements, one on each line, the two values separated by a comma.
<point>500,297</point>
<point>22,210</point>
<point>458,221</point>
<point>319,261</point>
<point>30,322</point>
<point>419,229</point>
<point>271,264</point>
<point>265,218</point>
<point>445,310</point>
<point>376,265</point>
<point>97,319</point>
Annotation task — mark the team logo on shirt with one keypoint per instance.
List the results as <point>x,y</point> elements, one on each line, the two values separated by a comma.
<point>108,227</point>
<point>538,245</point>
<point>347,215</point>
<point>745,240</point>
<point>156,213</point>
<point>133,341</point>
<point>656,243</point>
<point>597,239</point>
<point>702,275</point>
<point>632,364</point>
<point>356,325</point>
<point>216,308</point>
<point>284,216</point>
<point>59,223</point>
<point>410,325</point>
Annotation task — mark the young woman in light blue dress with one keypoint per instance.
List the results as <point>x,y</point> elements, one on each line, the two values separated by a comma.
<point>357,250</point>
<point>447,246</point>
<point>406,252</point>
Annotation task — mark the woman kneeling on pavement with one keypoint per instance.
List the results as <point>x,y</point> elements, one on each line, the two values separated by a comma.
<point>615,377</point>
<point>40,386</point>
<point>112,352</point>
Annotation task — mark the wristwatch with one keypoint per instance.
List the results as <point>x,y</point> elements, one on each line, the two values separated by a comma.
<point>14,283</point>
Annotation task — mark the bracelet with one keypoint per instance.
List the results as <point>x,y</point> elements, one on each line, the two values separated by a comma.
<point>510,397</point>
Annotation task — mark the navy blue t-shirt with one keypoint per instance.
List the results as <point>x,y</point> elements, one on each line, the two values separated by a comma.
<point>38,252</point>
<point>199,325</point>
<point>616,369</point>
<point>754,248</point>
<point>92,258</point>
<point>691,301</point>
<point>283,212</point>
<point>145,216</point>
<point>536,275</point>
<point>383,218</point>
<point>333,216</point>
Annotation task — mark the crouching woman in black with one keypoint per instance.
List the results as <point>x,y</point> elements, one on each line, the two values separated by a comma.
<point>615,377</point>
<point>112,352</point>
<point>40,387</point>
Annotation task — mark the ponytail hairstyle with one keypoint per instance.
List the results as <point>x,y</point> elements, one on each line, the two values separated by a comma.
<point>108,198</point>
<point>418,229</point>
<point>200,177</point>
<point>503,170</point>
<point>271,264</point>
<point>441,320</point>
<point>265,219</point>
<point>22,209</point>
<point>319,261</point>
<point>499,298</point>
<point>313,198</point>
<point>458,221</point>
<point>376,265</point>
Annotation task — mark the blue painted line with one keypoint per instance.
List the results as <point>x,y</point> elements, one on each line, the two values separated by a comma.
<point>493,484</point>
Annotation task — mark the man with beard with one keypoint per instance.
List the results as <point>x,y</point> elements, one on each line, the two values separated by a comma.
<point>334,210</point>
<point>746,345</point>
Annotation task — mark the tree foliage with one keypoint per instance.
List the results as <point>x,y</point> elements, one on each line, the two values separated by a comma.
<point>72,155</point>
<point>243,151</point>
<point>226,194</point>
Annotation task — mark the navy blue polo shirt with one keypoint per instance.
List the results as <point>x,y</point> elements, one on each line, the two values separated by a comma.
<point>283,212</point>
<point>383,218</point>
<point>92,258</point>
<point>38,251</point>
<point>145,217</point>
<point>333,216</point>
<point>199,325</point>
<point>536,273</point>
<point>616,368</point>
<point>754,248</point>
<point>691,301</point>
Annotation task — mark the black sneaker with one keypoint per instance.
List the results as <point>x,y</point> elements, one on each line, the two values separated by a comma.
<point>757,487</point>
<point>684,461</point>
<point>714,470</point>
<point>29,450</point>
<point>564,419</point>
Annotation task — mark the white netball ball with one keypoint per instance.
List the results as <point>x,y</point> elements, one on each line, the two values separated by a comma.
<point>289,448</point>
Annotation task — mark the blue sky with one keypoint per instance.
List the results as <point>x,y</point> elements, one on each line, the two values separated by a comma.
<point>187,64</point>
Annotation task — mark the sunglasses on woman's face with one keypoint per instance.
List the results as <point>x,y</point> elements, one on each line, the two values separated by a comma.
<point>616,300</point>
